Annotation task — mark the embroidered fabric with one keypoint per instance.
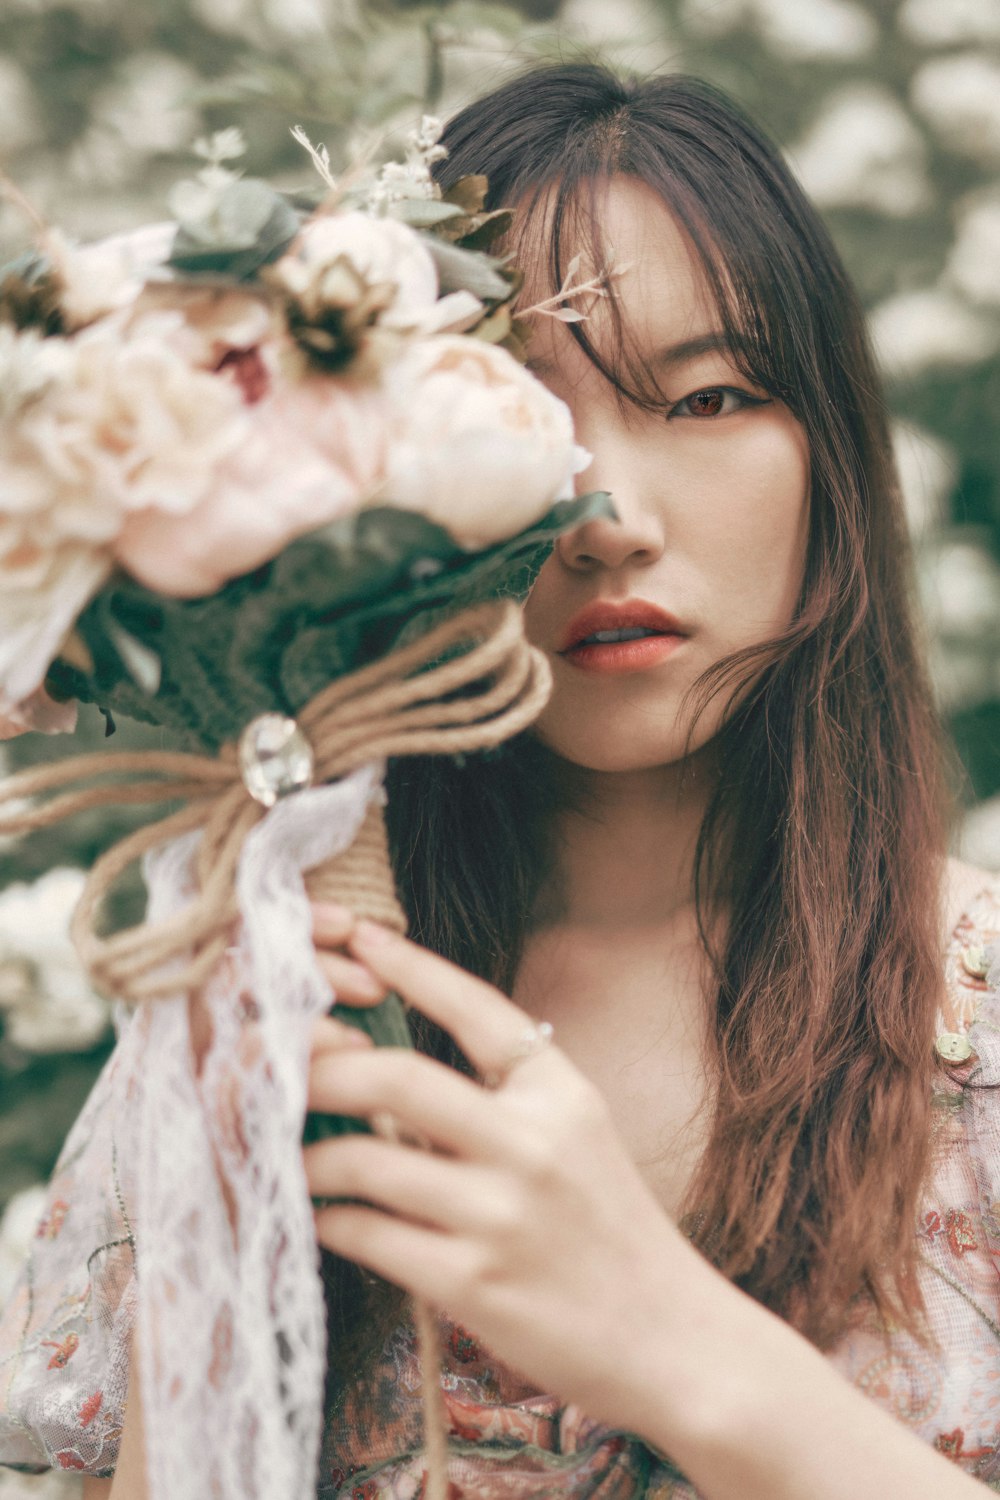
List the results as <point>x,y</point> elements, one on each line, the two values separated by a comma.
<point>180,1199</point>
<point>508,1440</point>
<point>64,1335</point>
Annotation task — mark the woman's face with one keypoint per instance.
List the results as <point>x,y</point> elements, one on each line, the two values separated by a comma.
<point>712,502</point>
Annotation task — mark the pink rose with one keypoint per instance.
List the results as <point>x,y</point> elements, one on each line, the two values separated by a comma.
<point>314,450</point>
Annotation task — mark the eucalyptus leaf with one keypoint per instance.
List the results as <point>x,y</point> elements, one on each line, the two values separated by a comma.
<point>462,270</point>
<point>251,226</point>
<point>29,267</point>
<point>424,213</point>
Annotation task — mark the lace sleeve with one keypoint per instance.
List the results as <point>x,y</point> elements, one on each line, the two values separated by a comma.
<point>65,1331</point>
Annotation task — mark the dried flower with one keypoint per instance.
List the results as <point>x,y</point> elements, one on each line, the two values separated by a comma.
<point>348,279</point>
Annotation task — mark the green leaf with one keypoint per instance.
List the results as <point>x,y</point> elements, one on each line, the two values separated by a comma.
<point>466,270</point>
<point>424,213</point>
<point>251,226</point>
<point>330,602</point>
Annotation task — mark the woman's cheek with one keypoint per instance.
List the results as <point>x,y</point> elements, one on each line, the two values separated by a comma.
<point>754,546</point>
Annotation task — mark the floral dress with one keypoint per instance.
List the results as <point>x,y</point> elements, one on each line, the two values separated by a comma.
<point>64,1332</point>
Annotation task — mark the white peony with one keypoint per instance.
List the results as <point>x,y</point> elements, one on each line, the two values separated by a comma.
<point>204,324</point>
<point>108,275</point>
<point>29,366</point>
<point>314,450</point>
<point>127,424</point>
<point>382,251</point>
<point>45,996</point>
<point>479,445</point>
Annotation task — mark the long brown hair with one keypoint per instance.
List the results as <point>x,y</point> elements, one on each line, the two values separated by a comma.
<point>826,828</point>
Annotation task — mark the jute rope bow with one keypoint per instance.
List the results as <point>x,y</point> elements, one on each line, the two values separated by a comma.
<point>400,705</point>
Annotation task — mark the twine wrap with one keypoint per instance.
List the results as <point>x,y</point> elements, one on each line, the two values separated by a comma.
<point>400,705</point>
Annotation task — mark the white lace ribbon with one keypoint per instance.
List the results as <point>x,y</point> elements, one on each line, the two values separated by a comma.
<point>230,1304</point>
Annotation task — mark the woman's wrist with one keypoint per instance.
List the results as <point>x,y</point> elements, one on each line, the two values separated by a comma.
<point>747,1409</point>
<point>692,1376</point>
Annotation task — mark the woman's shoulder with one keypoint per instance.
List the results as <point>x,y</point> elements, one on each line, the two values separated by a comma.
<point>970,894</point>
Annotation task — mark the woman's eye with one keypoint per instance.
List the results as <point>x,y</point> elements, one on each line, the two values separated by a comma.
<point>714,401</point>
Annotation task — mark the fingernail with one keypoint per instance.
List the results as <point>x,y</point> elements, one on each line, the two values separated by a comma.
<point>368,985</point>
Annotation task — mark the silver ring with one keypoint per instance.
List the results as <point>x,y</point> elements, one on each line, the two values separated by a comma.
<point>532,1039</point>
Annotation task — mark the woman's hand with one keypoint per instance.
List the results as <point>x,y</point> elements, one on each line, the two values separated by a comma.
<point>527,1221</point>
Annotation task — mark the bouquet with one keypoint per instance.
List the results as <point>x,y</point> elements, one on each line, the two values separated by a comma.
<point>272,478</point>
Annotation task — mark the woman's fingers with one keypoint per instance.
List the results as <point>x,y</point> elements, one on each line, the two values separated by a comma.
<point>421,1260</point>
<point>490,1029</point>
<point>420,1094</point>
<point>428,1189</point>
<point>352,983</point>
<point>332,924</point>
<point>331,1035</point>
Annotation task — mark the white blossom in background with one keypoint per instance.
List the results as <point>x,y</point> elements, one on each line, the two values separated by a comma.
<point>633,22</point>
<point>794,29</point>
<point>973,265</point>
<point>863,151</point>
<point>231,17</point>
<point>959,95</point>
<point>979,836</point>
<point>297,18</point>
<point>96,8</point>
<point>928,469</point>
<point>19,119</point>
<point>140,112</point>
<point>915,331</point>
<point>961,585</point>
<point>17,1230</point>
<point>960,589</point>
<point>712,17</point>
<point>47,1002</point>
<point>943,23</point>
<point>144,104</point>
<point>100,158</point>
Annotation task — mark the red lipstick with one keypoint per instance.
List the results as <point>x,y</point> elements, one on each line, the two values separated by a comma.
<point>661,635</point>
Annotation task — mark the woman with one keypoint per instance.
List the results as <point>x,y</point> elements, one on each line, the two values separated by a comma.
<point>716,868</point>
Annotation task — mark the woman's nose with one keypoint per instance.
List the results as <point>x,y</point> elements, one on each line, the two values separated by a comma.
<point>634,538</point>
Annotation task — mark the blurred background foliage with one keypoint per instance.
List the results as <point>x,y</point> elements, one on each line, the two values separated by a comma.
<point>889,111</point>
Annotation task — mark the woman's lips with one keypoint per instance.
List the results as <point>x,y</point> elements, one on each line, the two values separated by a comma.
<point>624,656</point>
<point>621,616</point>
